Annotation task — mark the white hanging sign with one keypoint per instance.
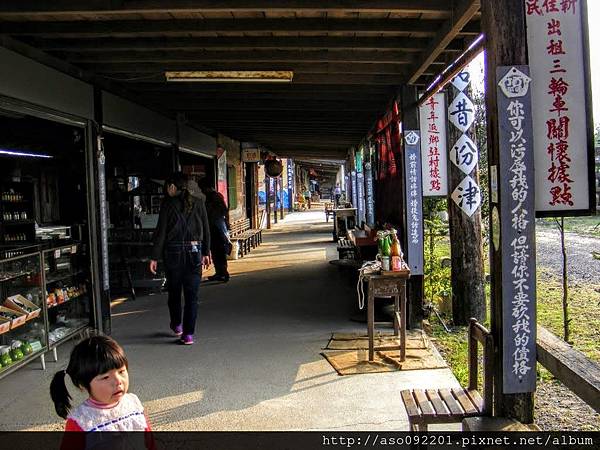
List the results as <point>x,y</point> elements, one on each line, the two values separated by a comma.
<point>462,80</point>
<point>560,97</point>
<point>434,165</point>
<point>464,154</point>
<point>462,112</point>
<point>467,196</point>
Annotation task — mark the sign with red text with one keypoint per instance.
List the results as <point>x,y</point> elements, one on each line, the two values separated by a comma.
<point>560,94</point>
<point>434,164</point>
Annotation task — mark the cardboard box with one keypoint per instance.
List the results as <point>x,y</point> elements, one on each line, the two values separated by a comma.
<point>18,318</point>
<point>10,303</point>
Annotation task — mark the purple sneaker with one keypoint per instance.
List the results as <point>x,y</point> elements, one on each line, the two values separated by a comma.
<point>187,339</point>
<point>177,329</point>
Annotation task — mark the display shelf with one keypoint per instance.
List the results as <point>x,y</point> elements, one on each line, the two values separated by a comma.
<point>26,339</point>
<point>9,277</point>
<point>65,275</point>
<point>56,305</point>
<point>16,212</point>
<point>69,333</point>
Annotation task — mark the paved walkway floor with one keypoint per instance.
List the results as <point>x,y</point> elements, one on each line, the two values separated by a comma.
<point>256,362</point>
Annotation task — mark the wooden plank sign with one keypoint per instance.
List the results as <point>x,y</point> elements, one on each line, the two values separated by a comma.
<point>517,204</point>
<point>561,98</point>
<point>432,119</point>
<point>414,201</point>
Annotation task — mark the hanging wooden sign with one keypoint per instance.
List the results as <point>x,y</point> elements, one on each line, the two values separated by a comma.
<point>561,103</point>
<point>467,196</point>
<point>461,80</point>
<point>414,201</point>
<point>461,112</point>
<point>517,206</point>
<point>434,165</point>
<point>464,154</point>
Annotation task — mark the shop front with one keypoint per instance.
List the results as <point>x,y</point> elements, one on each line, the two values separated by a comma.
<point>46,264</point>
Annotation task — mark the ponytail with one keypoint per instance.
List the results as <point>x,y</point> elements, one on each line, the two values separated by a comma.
<point>188,202</point>
<point>60,395</point>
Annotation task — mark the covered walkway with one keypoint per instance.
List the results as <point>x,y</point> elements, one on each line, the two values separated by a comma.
<point>256,362</point>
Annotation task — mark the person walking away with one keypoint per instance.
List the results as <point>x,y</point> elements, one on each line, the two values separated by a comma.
<point>337,193</point>
<point>220,243</point>
<point>98,364</point>
<point>182,240</point>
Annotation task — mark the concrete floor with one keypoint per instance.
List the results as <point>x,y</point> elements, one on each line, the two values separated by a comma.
<point>256,362</point>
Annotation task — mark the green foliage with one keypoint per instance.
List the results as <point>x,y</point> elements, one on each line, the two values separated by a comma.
<point>437,281</point>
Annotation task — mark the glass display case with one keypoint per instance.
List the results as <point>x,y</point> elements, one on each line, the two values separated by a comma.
<point>22,313</point>
<point>67,292</point>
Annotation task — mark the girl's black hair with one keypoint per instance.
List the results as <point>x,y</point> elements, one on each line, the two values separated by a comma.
<point>89,358</point>
<point>181,180</point>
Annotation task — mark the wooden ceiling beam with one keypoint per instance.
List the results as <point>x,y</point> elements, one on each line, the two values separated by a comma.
<point>297,68</point>
<point>27,8</point>
<point>390,43</point>
<point>362,80</point>
<point>262,56</point>
<point>461,17</point>
<point>291,89</point>
<point>277,105</point>
<point>183,27</point>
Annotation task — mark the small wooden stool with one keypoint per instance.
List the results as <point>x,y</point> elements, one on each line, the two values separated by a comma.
<point>388,284</point>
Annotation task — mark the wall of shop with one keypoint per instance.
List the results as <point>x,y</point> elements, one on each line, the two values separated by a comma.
<point>237,210</point>
<point>124,115</point>
<point>196,142</point>
<point>28,80</point>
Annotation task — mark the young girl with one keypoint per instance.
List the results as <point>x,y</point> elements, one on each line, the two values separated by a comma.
<point>99,365</point>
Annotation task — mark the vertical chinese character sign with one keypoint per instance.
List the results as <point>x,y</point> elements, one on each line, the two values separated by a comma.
<point>414,201</point>
<point>517,196</point>
<point>369,194</point>
<point>432,119</point>
<point>464,153</point>
<point>290,183</point>
<point>561,126</point>
<point>354,193</point>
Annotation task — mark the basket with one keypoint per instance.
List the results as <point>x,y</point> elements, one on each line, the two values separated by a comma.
<point>10,303</point>
<point>18,318</point>
<point>4,325</point>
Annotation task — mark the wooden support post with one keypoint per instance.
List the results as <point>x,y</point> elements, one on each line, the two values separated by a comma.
<point>97,196</point>
<point>281,197</point>
<point>503,23</point>
<point>275,189</point>
<point>409,113</point>
<point>268,200</point>
<point>468,295</point>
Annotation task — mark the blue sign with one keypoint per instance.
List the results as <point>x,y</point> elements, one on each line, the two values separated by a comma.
<point>414,201</point>
<point>517,228</point>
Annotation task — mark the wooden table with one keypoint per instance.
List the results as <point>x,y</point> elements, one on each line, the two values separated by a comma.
<point>384,285</point>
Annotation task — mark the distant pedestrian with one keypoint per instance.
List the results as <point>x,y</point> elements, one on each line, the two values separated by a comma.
<point>98,364</point>
<point>182,240</point>
<point>337,194</point>
<point>218,220</point>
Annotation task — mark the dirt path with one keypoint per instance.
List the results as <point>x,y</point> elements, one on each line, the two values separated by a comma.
<point>582,267</point>
<point>556,407</point>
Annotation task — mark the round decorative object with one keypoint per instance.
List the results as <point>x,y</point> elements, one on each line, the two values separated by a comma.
<point>273,168</point>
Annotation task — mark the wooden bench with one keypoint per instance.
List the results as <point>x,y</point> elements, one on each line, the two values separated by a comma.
<point>328,211</point>
<point>346,249</point>
<point>247,237</point>
<point>451,405</point>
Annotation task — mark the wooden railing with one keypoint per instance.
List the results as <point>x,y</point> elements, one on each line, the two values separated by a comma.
<point>571,367</point>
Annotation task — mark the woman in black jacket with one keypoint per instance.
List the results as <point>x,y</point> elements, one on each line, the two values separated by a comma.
<point>182,240</point>
<point>218,219</point>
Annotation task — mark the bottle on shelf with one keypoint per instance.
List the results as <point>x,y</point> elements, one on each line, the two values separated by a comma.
<point>396,253</point>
